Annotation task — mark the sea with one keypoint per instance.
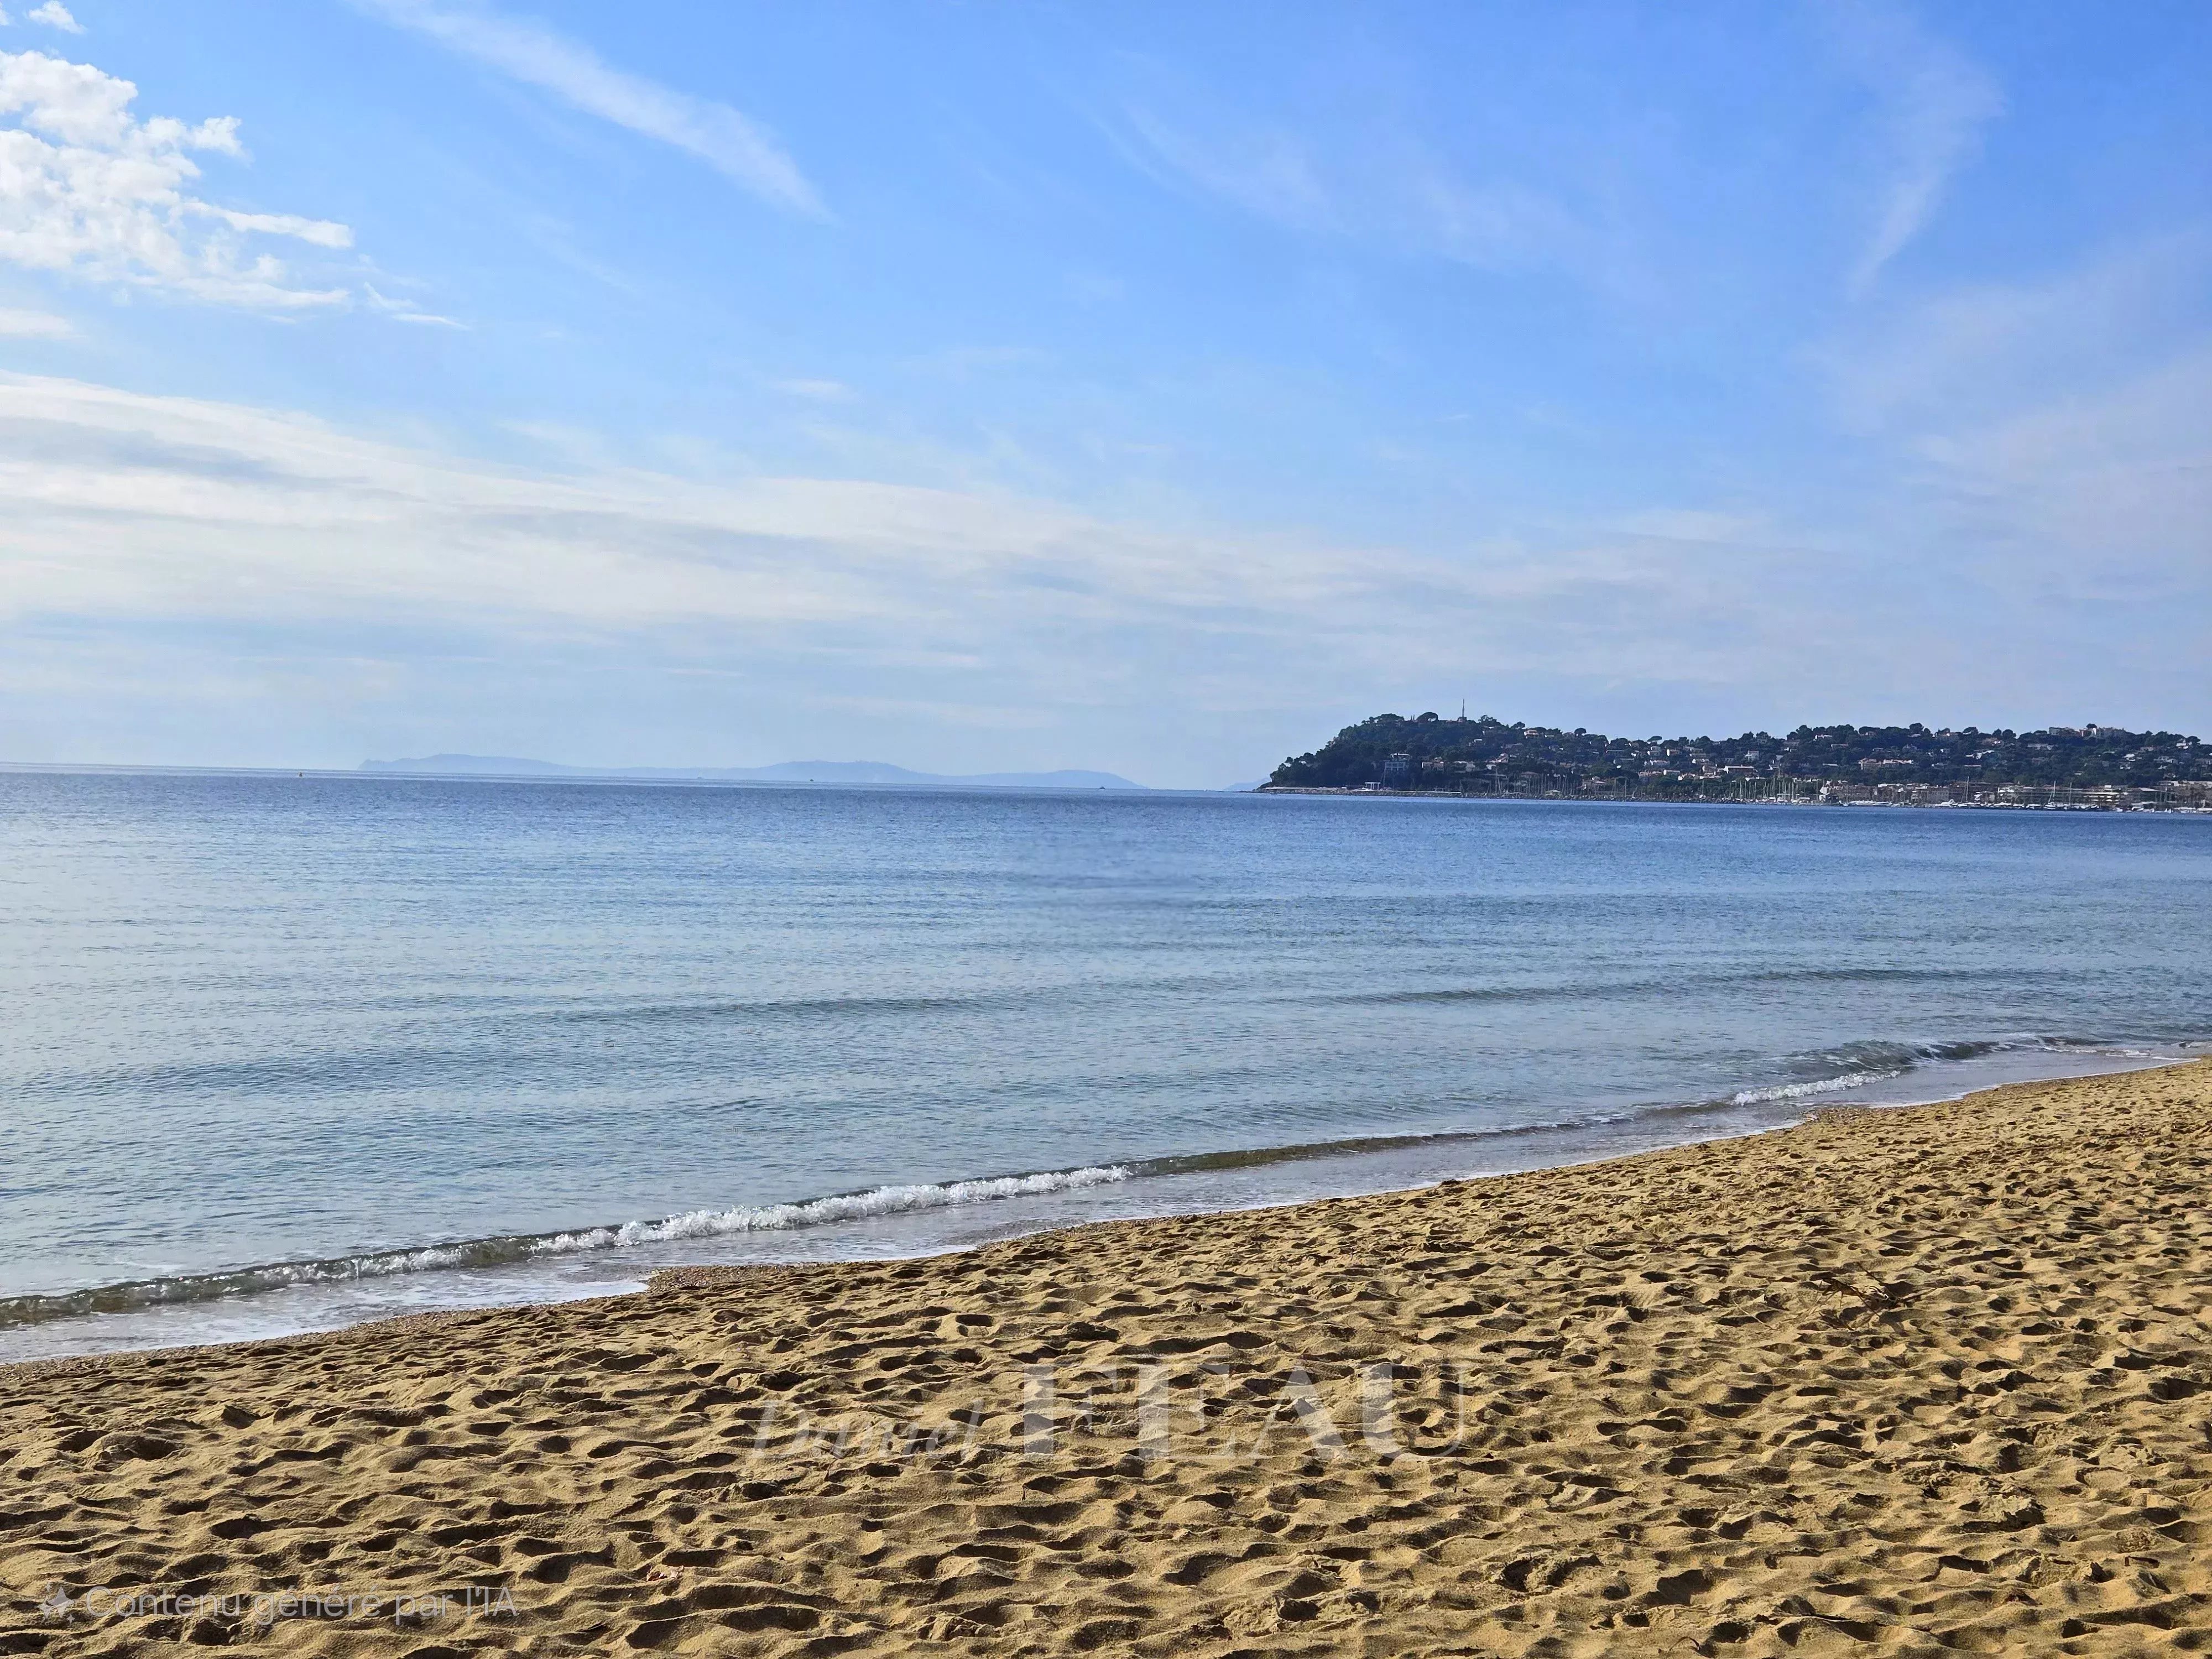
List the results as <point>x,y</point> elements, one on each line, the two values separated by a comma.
<point>280,1054</point>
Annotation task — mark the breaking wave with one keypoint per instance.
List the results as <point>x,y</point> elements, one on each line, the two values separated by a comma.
<point>510,1248</point>
<point>822,1211</point>
<point>1839,1070</point>
<point>1820,1086</point>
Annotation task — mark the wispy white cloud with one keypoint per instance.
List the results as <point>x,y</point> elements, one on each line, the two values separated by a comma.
<point>34,325</point>
<point>1933,103</point>
<point>55,16</point>
<point>322,233</point>
<point>215,513</point>
<point>713,132</point>
<point>124,516</point>
<point>815,391</point>
<point>1978,351</point>
<point>216,510</point>
<point>89,188</point>
<point>1696,524</point>
<point>2066,422</point>
<point>406,311</point>
<point>2097,491</point>
<point>1381,184</point>
<point>1268,172</point>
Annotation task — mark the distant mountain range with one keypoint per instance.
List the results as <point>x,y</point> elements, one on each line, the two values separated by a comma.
<point>875,772</point>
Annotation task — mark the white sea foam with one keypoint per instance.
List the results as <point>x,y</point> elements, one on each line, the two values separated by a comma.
<point>815,1213</point>
<point>500,1252</point>
<point>1827,1086</point>
<point>430,1259</point>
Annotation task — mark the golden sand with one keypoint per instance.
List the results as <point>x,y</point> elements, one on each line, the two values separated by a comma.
<point>1916,1381</point>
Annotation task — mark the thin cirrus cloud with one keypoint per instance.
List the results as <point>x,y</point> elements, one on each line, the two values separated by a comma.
<point>208,511</point>
<point>2067,419</point>
<point>406,311</point>
<point>713,132</point>
<point>1934,104</point>
<point>816,392</point>
<point>321,233</point>
<point>125,514</point>
<point>1380,183</point>
<point>124,510</point>
<point>89,189</point>
<point>15,324</point>
<point>1979,351</point>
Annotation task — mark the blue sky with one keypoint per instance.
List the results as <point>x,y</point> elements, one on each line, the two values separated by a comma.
<point>1153,388</point>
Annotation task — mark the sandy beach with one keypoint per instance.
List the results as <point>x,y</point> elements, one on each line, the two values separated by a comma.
<point>1915,1382</point>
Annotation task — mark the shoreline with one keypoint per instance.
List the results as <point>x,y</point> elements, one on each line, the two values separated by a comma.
<point>694,1273</point>
<point>609,1244</point>
<point>1358,793</point>
<point>1932,1376</point>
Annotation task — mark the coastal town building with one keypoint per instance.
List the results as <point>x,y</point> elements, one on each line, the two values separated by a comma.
<point>2086,768</point>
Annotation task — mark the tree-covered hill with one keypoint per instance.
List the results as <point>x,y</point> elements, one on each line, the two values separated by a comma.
<point>1488,755</point>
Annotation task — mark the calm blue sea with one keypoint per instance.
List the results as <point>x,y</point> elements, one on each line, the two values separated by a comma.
<point>281,1053</point>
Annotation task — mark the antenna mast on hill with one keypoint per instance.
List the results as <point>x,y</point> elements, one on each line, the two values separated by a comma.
<point>1463,708</point>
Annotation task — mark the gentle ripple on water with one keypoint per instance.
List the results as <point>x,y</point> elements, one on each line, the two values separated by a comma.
<point>320,1048</point>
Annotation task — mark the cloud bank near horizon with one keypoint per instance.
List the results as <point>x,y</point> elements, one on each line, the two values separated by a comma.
<point>200,530</point>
